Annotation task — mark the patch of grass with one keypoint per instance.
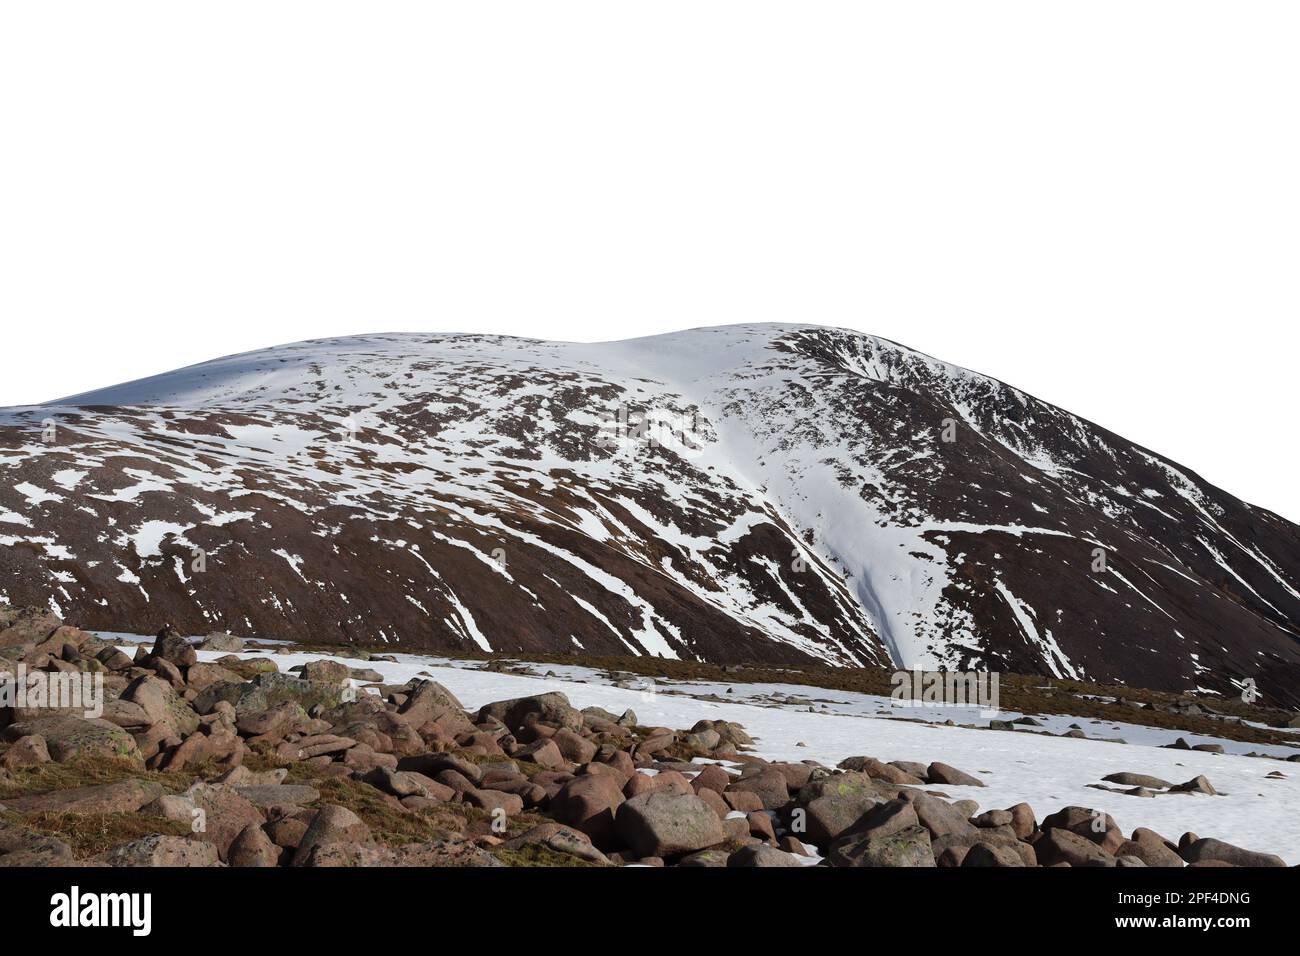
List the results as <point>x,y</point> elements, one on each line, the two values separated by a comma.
<point>526,767</point>
<point>91,833</point>
<point>387,824</point>
<point>264,760</point>
<point>395,826</point>
<point>89,771</point>
<point>534,854</point>
<point>478,822</point>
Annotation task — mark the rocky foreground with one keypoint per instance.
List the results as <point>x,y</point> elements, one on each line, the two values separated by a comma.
<point>234,763</point>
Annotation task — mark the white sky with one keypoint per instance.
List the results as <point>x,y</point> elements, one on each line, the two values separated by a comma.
<point>1098,203</point>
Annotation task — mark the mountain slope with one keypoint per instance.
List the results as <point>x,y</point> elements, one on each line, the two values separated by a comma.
<point>774,493</point>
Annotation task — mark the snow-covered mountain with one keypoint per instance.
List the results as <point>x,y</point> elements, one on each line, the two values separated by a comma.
<point>770,493</point>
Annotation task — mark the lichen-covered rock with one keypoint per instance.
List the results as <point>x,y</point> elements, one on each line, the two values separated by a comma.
<point>67,737</point>
<point>908,847</point>
<point>162,705</point>
<point>265,691</point>
<point>162,850</point>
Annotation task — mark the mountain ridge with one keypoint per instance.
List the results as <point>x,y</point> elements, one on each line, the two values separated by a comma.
<point>796,500</point>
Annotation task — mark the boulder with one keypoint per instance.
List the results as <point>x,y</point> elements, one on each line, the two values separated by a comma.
<point>561,839</point>
<point>1209,850</point>
<point>326,672</point>
<point>941,773</point>
<point>125,796</point>
<point>544,753</point>
<point>834,804</point>
<point>408,783</point>
<point>170,646</point>
<point>706,858</point>
<point>880,771</point>
<point>314,745</point>
<point>712,777</point>
<point>762,856</point>
<point>162,706</point>
<point>287,832</point>
<point>669,780</point>
<point>63,644</point>
<point>216,744</point>
<point>221,641</point>
<point>656,744</point>
<point>1150,853</point>
<point>114,659</point>
<point>1093,825</point>
<point>573,747</point>
<point>552,708</point>
<point>67,737</point>
<point>223,813</point>
<point>253,848</point>
<point>760,825</point>
<point>715,801</point>
<point>128,715</point>
<point>742,801</point>
<point>21,847</point>
<point>265,691</point>
<point>884,819</point>
<point>171,806</point>
<point>494,801</point>
<point>703,742</point>
<point>159,850</point>
<point>1063,846</point>
<point>985,854</point>
<point>1196,785</point>
<point>25,625</point>
<point>427,700</point>
<point>331,824</point>
<point>26,751</point>
<point>166,670</point>
<point>273,723</point>
<point>1023,821</point>
<point>432,764</point>
<point>1146,781</point>
<point>590,803</point>
<point>993,818</point>
<point>909,847</point>
<point>201,675</point>
<point>942,818</point>
<point>666,824</point>
<point>731,734</point>
<point>768,783</point>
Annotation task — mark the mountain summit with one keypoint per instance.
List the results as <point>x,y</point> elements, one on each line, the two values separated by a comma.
<point>773,493</point>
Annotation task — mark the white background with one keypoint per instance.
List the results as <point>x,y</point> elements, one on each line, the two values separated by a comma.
<point>1097,202</point>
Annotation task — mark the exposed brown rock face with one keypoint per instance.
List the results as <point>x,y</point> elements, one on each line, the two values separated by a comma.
<point>799,503</point>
